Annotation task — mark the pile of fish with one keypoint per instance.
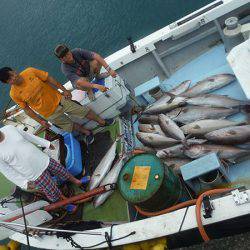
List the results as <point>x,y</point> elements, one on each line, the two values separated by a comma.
<point>103,175</point>
<point>189,122</point>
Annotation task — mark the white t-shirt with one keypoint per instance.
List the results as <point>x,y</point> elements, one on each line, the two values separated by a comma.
<point>20,160</point>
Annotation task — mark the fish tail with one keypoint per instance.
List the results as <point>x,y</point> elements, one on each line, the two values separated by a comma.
<point>172,96</point>
<point>185,143</point>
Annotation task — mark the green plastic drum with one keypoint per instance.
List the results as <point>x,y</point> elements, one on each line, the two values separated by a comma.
<point>144,181</point>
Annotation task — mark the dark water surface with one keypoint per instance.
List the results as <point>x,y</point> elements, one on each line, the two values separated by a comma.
<point>30,29</point>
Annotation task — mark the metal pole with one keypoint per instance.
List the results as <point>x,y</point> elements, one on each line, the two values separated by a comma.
<point>2,223</point>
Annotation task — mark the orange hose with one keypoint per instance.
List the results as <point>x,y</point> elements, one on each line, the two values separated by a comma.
<point>138,151</point>
<point>198,210</point>
<point>167,210</point>
<point>198,203</point>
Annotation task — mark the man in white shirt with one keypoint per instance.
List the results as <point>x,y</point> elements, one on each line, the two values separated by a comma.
<point>25,165</point>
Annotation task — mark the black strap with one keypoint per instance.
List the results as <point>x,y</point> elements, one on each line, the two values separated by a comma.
<point>108,240</point>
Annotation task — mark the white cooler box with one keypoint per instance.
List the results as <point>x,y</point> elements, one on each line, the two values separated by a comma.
<point>106,104</point>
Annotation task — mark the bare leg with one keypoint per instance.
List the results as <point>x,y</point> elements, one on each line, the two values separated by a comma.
<point>62,197</point>
<point>79,128</point>
<point>75,181</point>
<point>91,95</point>
<point>94,117</point>
<point>96,68</point>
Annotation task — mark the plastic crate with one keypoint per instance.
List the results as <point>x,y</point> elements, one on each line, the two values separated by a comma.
<point>73,160</point>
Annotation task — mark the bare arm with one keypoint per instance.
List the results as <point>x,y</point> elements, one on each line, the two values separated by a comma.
<point>85,85</point>
<point>35,116</point>
<point>53,82</point>
<point>100,59</point>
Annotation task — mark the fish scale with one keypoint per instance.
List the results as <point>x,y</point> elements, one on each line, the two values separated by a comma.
<point>230,135</point>
<point>209,84</point>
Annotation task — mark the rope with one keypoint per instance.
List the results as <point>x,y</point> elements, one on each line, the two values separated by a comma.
<point>108,240</point>
<point>25,223</point>
<point>183,219</point>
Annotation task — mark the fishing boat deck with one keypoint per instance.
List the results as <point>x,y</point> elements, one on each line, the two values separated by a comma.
<point>115,202</point>
<point>210,63</point>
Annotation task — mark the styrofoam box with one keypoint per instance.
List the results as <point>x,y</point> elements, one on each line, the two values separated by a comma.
<point>106,104</point>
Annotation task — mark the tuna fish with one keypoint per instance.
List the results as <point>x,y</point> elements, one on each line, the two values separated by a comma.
<point>176,163</point>
<point>224,152</point>
<point>181,88</point>
<point>170,128</point>
<point>149,119</point>
<point>211,100</point>
<point>209,84</point>
<point>162,106</point>
<point>110,178</point>
<point>177,150</point>
<point>150,128</point>
<point>103,167</point>
<point>155,140</point>
<point>194,113</point>
<point>202,127</point>
<point>230,135</point>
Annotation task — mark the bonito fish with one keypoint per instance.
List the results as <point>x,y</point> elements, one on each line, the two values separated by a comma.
<point>150,128</point>
<point>209,84</point>
<point>155,140</point>
<point>162,106</point>
<point>230,135</point>
<point>211,100</point>
<point>202,127</point>
<point>181,88</point>
<point>194,113</point>
<point>177,150</point>
<point>223,151</point>
<point>103,167</point>
<point>148,119</point>
<point>110,178</point>
<point>170,128</point>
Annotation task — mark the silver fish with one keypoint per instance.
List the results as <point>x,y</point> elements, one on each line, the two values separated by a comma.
<point>150,128</point>
<point>209,84</point>
<point>201,127</point>
<point>194,113</point>
<point>230,135</point>
<point>212,100</point>
<point>181,88</point>
<point>103,167</point>
<point>155,140</point>
<point>148,119</point>
<point>176,163</point>
<point>164,106</point>
<point>177,150</point>
<point>170,128</point>
<point>111,177</point>
<point>223,151</point>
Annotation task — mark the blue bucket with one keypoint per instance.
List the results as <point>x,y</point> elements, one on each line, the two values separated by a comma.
<point>73,159</point>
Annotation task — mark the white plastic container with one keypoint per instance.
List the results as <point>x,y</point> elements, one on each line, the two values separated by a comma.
<point>106,104</point>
